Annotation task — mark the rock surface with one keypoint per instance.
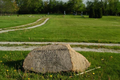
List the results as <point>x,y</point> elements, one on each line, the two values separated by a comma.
<point>55,58</point>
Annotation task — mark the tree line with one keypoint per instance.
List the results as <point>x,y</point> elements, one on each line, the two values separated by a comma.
<point>8,6</point>
<point>50,6</point>
<point>108,7</point>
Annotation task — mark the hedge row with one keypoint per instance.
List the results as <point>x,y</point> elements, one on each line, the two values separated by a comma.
<point>95,13</point>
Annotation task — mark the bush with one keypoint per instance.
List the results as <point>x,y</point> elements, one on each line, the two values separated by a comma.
<point>100,13</point>
<point>95,13</point>
<point>92,13</point>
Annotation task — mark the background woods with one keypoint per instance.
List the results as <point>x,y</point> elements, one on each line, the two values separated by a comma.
<point>108,7</point>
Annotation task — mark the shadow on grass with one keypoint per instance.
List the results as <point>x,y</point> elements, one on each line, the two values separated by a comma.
<point>15,64</point>
<point>18,65</point>
<point>84,17</point>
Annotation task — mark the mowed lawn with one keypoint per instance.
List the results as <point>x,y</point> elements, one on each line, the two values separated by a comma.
<point>70,28</point>
<point>14,20</point>
<point>11,63</point>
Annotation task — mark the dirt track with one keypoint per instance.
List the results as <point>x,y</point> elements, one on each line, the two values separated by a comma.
<point>4,31</point>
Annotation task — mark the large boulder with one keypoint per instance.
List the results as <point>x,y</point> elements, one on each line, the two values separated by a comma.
<point>55,58</point>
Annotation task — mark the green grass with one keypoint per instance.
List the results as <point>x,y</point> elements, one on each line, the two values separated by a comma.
<point>11,67</point>
<point>13,20</point>
<point>67,29</point>
<point>71,29</point>
<point>24,26</point>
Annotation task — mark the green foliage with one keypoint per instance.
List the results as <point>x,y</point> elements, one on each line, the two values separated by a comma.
<point>118,8</point>
<point>30,6</point>
<point>92,13</point>
<point>51,6</point>
<point>109,7</point>
<point>95,9</point>
<point>95,13</point>
<point>100,13</point>
<point>75,5</point>
<point>8,7</point>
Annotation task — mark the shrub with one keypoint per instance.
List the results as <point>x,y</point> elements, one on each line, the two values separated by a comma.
<point>100,13</point>
<point>95,13</point>
<point>92,13</point>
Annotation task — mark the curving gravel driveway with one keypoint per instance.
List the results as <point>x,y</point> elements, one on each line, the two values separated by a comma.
<point>4,31</point>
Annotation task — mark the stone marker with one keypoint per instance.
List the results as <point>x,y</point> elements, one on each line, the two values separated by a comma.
<point>64,13</point>
<point>55,58</point>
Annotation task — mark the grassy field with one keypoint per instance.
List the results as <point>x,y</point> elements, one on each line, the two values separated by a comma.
<point>11,67</point>
<point>14,20</point>
<point>61,28</point>
<point>70,29</point>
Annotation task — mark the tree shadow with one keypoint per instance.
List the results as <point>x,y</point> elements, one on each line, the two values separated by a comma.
<point>15,64</point>
<point>83,17</point>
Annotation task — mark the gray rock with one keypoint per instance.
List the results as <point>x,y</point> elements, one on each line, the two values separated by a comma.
<point>55,58</point>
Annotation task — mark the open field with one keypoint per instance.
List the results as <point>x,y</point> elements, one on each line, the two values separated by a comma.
<point>11,67</point>
<point>14,20</point>
<point>70,29</point>
<point>61,28</point>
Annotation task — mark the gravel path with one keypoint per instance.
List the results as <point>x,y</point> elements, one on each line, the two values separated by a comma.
<point>29,48</point>
<point>96,50</point>
<point>4,31</point>
<point>71,43</point>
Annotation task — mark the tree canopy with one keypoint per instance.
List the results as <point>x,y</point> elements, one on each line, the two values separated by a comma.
<point>8,6</point>
<point>109,7</point>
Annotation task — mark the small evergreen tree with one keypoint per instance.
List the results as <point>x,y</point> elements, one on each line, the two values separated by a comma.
<point>95,13</point>
<point>91,13</point>
<point>99,13</point>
